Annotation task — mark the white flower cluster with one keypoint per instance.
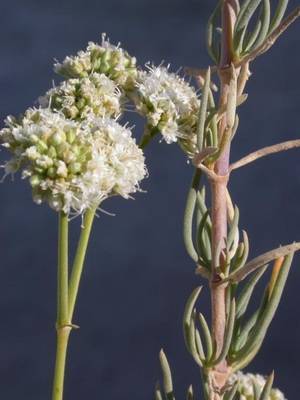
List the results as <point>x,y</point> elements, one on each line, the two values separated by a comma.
<point>72,148</point>
<point>72,165</point>
<point>247,383</point>
<point>106,59</point>
<point>80,98</point>
<point>169,103</point>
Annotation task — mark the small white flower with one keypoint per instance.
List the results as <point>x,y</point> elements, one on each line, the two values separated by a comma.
<point>169,103</point>
<point>247,383</point>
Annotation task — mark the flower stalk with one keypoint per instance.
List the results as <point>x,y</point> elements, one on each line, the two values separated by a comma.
<point>63,326</point>
<point>79,259</point>
<point>68,292</point>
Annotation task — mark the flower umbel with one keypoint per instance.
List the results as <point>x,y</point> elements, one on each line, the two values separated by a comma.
<point>103,58</point>
<point>168,102</point>
<point>247,382</point>
<point>70,165</point>
<point>80,98</point>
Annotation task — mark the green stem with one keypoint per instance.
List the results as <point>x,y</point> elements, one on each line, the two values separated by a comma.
<point>62,275</point>
<point>79,259</point>
<point>63,334</point>
<point>67,293</point>
<point>63,330</point>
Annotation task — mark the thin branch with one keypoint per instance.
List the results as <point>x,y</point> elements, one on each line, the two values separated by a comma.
<point>276,148</point>
<point>262,260</point>
<point>271,39</point>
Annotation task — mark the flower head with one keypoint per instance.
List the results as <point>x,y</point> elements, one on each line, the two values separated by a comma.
<point>103,58</point>
<point>169,103</point>
<point>78,99</point>
<point>246,386</point>
<point>72,165</point>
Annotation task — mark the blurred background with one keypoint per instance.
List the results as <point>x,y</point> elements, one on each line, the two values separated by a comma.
<point>137,275</point>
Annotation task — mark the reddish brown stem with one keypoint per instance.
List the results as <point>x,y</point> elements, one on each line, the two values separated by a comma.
<point>219,374</point>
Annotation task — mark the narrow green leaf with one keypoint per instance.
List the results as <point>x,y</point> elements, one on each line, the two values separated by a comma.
<point>250,40</point>
<point>228,299</point>
<point>233,228</point>
<point>207,336</point>
<point>208,142</point>
<point>157,392</point>
<point>278,15</point>
<point>265,23</point>
<point>244,331</point>
<point>212,119</point>
<point>246,13</point>
<point>212,46</point>
<point>260,329</point>
<point>267,388</point>
<point>240,261</point>
<point>246,328</point>
<point>192,341</point>
<point>203,111</point>
<point>232,392</point>
<point>238,40</point>
<point>239,33</point>
<point>199,345</point>
<point>243,8</point>
<point>228,334</point>
<point>188,217</point>
<point>167,376</point>
<point>246,293</point>
<point>201,204</point>
<point>247,359</point>
<point>187,315</point>
<point>190,393</point>
<point>204,239</point>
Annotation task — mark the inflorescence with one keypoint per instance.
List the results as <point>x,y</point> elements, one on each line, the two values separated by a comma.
<point>168,102</point>
<point>72,148</point>
<point>249,384</point>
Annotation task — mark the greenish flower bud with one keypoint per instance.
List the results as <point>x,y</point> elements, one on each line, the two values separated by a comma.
<point>35,180</point>
<point>52,152</point>
<point>51,172</point>
<point>58,138</point>
<point>74,167</point>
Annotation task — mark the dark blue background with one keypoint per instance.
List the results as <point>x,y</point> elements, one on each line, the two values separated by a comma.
<point>137,276</point>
